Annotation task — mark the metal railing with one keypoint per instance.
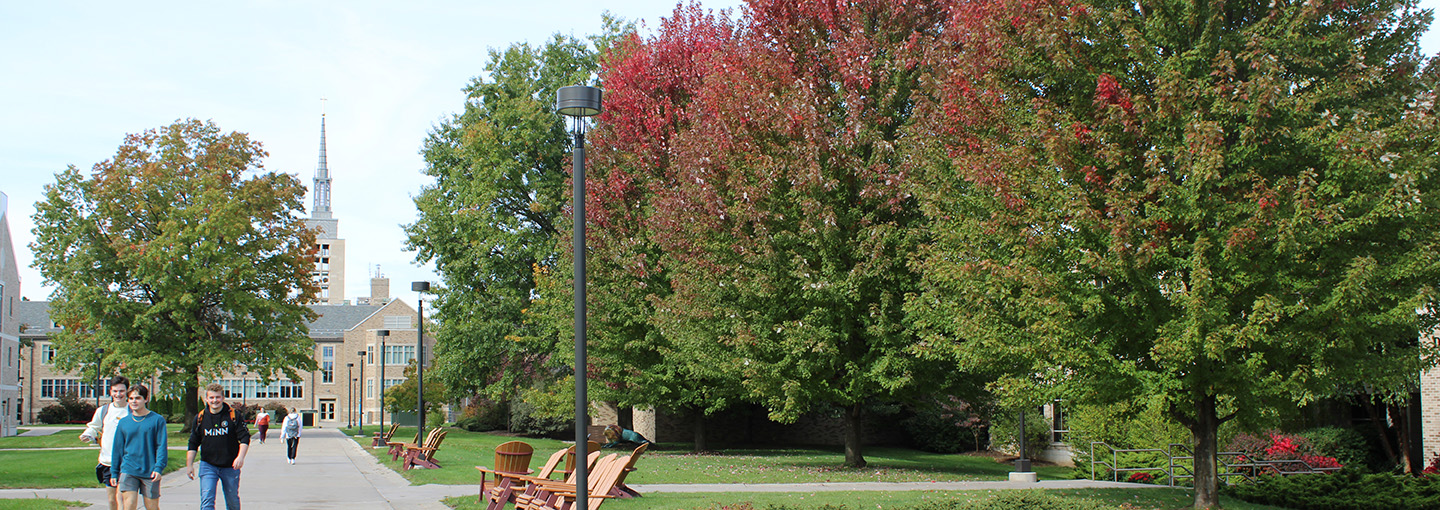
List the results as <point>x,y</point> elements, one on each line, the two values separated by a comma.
<point>1179,464</point>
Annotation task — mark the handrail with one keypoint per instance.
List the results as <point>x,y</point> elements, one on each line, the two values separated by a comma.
<point>1246,466</point>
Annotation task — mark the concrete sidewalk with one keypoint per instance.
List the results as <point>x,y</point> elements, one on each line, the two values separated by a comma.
<point>333,472</point>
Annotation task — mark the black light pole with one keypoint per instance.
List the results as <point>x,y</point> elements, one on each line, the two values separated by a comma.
<point>350,394</point>
<point>99,352</point>
<point>382,333</point>
<point>422,288</point>
<point>578,102</point>
<point>244,388</point>
<point>360,402</point>
<point>1022,464</point>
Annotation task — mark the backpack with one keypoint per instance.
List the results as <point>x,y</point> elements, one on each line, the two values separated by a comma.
<point>200,418</point>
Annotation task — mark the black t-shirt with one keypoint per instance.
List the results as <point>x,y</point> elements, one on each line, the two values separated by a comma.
<point>219,436</point>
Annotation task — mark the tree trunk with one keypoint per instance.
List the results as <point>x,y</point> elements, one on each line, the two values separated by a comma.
<point>1204,429</point>
<point>192,399</point>
<point>853,456</point>
<point>1401,422</point>
<point>699,429</point>
<point>1382,431</point>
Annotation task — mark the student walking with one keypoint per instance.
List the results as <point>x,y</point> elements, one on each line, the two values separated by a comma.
<point>290,432</point>
<point>138,455</point>
<point>223,440</point>
<point>102,426</point>
<point>262,422</point>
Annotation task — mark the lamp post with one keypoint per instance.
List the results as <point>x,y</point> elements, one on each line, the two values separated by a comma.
<point>350,395</point>
<point>421,288</point>
<point>578,102</point>
<point>245,388</point>
<point>360,402</point>
<point>382,333</point>
<point>99,352</point>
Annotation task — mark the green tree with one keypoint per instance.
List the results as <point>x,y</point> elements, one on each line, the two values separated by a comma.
<point>404,397</point>
<point>1223,206</point>
<point>176,262</point>
<point>490,220</point>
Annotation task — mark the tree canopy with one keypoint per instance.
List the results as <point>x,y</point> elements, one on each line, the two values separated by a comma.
<point>179,256</point>
<point>1226,205</point>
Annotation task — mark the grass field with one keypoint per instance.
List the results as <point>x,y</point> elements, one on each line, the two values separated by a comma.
<point>71,438</point>
<point>58,469</point>
<point>39,504</point>
<point>1136,499</point>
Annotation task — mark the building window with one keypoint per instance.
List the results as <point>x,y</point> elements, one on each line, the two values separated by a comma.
<point>399,354</point>
<point>47,354</point>
<point>327,364</point>
<point>391,383</point>
<point>369,387</point>
<point>370,355</point>
<point>55,388</point>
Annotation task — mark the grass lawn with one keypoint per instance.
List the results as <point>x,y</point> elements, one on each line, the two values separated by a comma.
<point>39,504</point>
<point>58,469</point>
<point>71,438</point>
<point>673,463</point>
<point>1137,499</point>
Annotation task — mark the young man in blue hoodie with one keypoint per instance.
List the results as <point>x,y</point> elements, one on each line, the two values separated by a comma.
<point>223,439</point>
<point>138,456</point>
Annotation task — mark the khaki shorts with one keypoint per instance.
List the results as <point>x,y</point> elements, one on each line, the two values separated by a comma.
<point>147,488</point>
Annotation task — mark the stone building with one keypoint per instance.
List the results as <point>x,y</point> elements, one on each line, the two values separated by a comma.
<point>343,389</point>
<point>329,272</point>
<point>10,362</point>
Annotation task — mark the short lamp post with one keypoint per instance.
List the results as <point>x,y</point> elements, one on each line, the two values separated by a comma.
<point>579,102</point>
<point>99,353</point>
<point>1023,472</point>
<point>360,392</point>
<point>350,394</point>
<point>421,288</point>
<point>382,334</point>
<point>245,388</point>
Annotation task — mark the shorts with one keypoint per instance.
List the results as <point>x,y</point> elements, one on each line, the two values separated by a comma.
<point>147,488</point>
<point>102,474</point>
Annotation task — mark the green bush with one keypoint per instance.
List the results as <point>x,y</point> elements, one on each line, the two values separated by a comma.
<point>54,413</point>
<point>1017,500</point>
<point>1344,444</point>
<point>1004,428</point>
<point>484,415</point>
<point>525,419</point>
<point>1347,489</point>
<point>70,409</point>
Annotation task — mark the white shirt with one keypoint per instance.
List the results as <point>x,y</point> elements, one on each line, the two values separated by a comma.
<point>106,431</point>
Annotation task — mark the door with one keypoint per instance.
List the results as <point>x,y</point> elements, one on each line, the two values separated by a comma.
<point>327,410</point>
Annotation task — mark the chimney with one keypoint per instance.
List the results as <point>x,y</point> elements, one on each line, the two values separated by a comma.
<point>379,290</point>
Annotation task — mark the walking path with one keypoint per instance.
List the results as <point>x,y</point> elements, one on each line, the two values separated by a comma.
<point>333,472</point>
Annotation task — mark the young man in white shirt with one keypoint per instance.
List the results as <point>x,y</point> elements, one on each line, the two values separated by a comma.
<point>102,426</point>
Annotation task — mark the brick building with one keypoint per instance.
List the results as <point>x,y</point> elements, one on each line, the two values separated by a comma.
<point>9,327</point>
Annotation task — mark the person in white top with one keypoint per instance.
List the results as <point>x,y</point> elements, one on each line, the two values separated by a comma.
<point>102,426</point>
<point>290,432</point>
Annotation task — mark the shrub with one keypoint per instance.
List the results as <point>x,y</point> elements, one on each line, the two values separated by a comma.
<point>1347,489</point>
<point>484,415</point>
<point>1140,477</point>
<point>1346,445</point>
<point>1004,430</point>
<point>1017,500</point>
<point>54,413</point>
<point>1281,447</point>
<point>525,419</point>
<point>946,426</point>
<point>277,412</point>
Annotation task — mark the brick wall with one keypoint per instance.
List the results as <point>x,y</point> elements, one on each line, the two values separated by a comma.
<point>1430,414</point>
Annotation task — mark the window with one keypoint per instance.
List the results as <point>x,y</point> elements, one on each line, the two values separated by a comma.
<point>55,388</point>
<point>369,387</point>
<point>391,383</point>
<point>325,293</point>
<point>399,354</point>
<point>47,353</point>
<point>370,355</point>
<point>327,364</point>
<point>399,322</point>
<point>250,388</point>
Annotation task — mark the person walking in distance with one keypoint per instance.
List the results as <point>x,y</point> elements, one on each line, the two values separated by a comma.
<point>223,440</point>
<point>102,426</point>
<point>138,455</point>
<point>262,423</point>
<point>290,432</point>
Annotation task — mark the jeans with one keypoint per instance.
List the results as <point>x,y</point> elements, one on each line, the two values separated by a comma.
<point>291,444</point>
<point>229,479</point>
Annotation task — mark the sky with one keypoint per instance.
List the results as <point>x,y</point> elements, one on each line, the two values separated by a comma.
<point>77,76</point>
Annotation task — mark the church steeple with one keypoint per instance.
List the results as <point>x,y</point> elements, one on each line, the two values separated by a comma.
<point>322,180</point>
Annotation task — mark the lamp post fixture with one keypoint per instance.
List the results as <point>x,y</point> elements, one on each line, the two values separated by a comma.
<point>99,352</point>
<point>578,102</point>
<point>382,333</point>
<point>360,402</point>
<point>350,395</point>
<point>421,288</point>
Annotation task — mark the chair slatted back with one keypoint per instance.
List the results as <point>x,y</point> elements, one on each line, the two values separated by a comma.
<point>513,457</point>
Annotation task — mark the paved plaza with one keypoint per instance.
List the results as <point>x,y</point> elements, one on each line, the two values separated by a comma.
<point>333,472</point>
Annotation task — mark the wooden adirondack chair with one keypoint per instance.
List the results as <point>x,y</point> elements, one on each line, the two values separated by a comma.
<point>509,486</point>
<point>424,456</point>
<point>551,495</point>
<point>383,438</point>
<point>397,448</point>
<point>511,458</point>
<point>590,447</point>
<point>621,490</point>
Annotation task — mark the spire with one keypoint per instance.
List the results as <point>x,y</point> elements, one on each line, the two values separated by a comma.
<point>322,180</point>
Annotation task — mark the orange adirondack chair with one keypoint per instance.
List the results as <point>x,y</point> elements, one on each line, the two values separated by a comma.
<point>511,459</point>
<point>424,455</point>
<point>509,487</point>
<point>551,495</point>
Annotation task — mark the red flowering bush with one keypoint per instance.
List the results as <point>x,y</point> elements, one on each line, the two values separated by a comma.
<point>1140,477</point>
<point>1433,468</point>
<point>1277,447</point>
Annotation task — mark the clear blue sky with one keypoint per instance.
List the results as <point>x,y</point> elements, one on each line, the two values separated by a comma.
<point>76,76</point>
